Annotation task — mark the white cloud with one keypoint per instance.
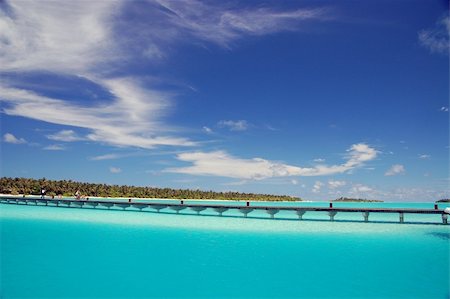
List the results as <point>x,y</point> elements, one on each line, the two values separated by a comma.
<point>207,130</point>
<point>115,170</point>
<point>238,125</point>
<point>105,157</point>
<point>78,38</point>
<point>424,156</point>
<point>74,36</point>
<point>359,188</point>
<point>54,147</point>
<point>220,163</point>
<point>444,109</point>
<point>10,138</point>
<point>222,24</point>
<point>65,135</point>
<point>91,40</point>
<point>336,184</point>
<point>294,182</point>
<point>317,186</point>
<point>319,160</point>
<point>395,170</point>
<point>436,39</point>
<point>130,121</point>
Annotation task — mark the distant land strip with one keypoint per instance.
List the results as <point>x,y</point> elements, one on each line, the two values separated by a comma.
<point>68,188</point>
<point>347,199</point>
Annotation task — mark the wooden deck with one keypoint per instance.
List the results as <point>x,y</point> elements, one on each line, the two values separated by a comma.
<point>219,208</point>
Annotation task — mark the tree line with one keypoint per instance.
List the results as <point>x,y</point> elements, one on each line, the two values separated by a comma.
<point>68,188</point>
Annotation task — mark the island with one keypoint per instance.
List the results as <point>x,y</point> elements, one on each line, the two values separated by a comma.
<point>443,200</point>
<point>347,199</point>
<point>68,188</point>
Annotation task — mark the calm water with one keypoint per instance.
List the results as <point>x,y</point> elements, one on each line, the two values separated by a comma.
<point>49,252</point>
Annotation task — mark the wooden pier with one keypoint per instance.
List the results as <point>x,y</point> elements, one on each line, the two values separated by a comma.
<point>220,208</point>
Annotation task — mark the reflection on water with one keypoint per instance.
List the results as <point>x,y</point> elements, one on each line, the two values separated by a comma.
<point>440,235</point>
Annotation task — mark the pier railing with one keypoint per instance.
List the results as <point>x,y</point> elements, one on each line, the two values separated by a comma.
<point>219,208</point>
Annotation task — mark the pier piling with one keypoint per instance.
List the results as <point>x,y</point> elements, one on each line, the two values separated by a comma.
<point>402,217</point>
<point>445,218</point>
<point>220,210</point>
<point>366,216</point>
<point>272,212</point>
<point>332,214</point>
<point>300,214</point>
<point>245,211</point>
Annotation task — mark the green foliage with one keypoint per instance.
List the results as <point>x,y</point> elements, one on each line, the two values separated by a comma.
<point>443,200</point>
<point>68,188</point>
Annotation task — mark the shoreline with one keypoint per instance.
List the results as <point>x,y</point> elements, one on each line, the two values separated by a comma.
<point>225,200</point>
<point>157,199</point>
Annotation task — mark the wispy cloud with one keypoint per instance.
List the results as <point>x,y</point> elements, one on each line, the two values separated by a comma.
<point>220,24</point>
<point>444,109</point>
<point>319,160</point>
<point>106,157</point>
<point>91,40</point>
<point>336,184</point>
<point>207,130</point>
<point>424,156</point>
<point>220,163</point>
<point>317,187</point>
<point>10,138</point>
<point>54,147</point>
<point>69,37</point>
<point>437,38</point>
<point>115,170</point>
<point>359,188</point>
<point>65,135</point>
<point>125,122</point>
<point>395,170</point>
<point>234,125</point>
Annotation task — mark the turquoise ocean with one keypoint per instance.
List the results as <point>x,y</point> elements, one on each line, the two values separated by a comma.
<point>49,252</point>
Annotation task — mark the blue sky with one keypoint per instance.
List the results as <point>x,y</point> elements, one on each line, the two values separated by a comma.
<point>316,99</point>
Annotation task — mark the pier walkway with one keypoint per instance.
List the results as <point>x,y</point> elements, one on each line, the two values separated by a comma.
<point>220,208</point>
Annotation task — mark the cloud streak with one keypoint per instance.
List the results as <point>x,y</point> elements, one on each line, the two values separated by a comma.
<point>92,40</point>
<point>220,163</point>
<point>124,122</point>
<point>69,37</point>
<point>65,135</point>
<point>395,169</point>
<point>437,38</point>
<point>10,138</point>
<point>234,125</point>
<point>222,25</point>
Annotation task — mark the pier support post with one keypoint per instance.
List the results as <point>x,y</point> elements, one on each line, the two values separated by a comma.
<point>402,217</point>
<point>300,214</point>
<point>198,209</point>
<point>366,216</point>
<point>272,212</point>
<point>220,210</point>
<point>177,208</point>
<point>245,211</point>
<point>444,218</point>
<point>158,207</point>
<point>332,214</point>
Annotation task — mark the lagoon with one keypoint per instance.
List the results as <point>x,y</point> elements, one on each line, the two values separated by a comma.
<point>49,252</point>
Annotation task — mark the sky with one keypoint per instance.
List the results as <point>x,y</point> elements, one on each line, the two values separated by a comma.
<point>314,99</point>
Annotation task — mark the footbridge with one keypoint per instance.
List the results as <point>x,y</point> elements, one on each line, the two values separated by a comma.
<point>219,209</point>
